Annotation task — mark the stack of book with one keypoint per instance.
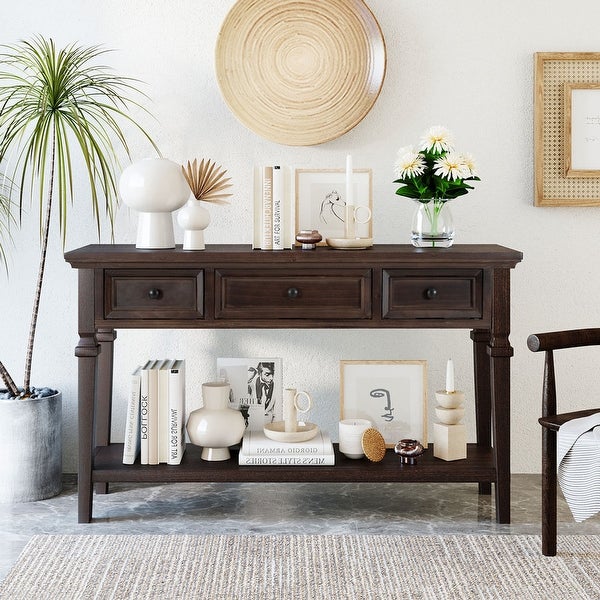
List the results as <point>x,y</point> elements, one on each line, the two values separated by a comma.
<point>273,209</point>
<point>258,450</point>
<point>155,422</point>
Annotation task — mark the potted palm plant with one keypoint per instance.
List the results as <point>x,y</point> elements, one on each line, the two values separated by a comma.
<point>59,111</point>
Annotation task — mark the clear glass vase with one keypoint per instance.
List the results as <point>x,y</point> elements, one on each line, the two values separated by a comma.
<point>432,225</point>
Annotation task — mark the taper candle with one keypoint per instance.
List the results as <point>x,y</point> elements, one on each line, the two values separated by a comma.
<point>349,179</point>
<point>450,376</point>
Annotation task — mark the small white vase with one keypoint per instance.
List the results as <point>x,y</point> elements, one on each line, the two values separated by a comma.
<point>215,426</point>
<point>193,218</point>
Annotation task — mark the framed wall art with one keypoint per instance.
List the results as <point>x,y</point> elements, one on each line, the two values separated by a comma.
<point>567,129</point>
<point>321,201</point>
<point>392,394</point>
<point>582,129</point>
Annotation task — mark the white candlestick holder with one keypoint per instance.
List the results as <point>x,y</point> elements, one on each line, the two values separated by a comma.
<point>449,435</point>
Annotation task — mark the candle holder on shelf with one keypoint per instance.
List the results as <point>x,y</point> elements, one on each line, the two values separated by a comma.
<point>352,217</point>
<point>449,435</point>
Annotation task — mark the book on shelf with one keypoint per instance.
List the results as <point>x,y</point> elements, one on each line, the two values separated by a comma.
<point>145,412</point>
<point>257,449</point>
<point>273,209</point>
<point>163,410</point>
<point>256,388</point>
<point>267,209</point>
<point>161,413</point>
<point>176,412</point>
<point>131,445</point>
<point>153,417</point>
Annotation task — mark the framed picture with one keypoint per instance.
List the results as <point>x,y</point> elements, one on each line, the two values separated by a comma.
<point>321,201</point>
<point>567,129</point>
<point>256,388</point>
<point>582,129</point>
<point>392,394</point>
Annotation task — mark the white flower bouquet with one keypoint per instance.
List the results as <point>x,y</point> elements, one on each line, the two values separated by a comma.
<point>436,171</point>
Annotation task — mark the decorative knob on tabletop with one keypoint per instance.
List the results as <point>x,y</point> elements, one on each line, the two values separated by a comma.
<point>409,450</point>
<point>309,238</point>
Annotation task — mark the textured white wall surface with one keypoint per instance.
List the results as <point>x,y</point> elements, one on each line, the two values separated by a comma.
<point>467,65</point>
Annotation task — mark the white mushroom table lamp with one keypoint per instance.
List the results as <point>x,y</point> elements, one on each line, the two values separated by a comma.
<point>155,187</point>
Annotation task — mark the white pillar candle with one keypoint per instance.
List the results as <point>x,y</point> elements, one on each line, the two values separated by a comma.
<point>449,376</point>
<point>349,178</point>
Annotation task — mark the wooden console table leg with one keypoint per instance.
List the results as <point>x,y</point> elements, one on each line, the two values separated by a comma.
<point>104,393</point>
<point>483,395</point>
<point>500,353</point>
<point>87,351</point>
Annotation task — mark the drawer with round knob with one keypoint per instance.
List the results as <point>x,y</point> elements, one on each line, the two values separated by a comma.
<point>432,294</point>
<point>298,294</point>
<point>156,294</point>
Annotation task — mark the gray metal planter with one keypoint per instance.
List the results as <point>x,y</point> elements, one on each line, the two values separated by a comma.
<point>30,449</point>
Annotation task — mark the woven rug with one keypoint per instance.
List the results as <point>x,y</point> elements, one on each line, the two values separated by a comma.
<point>303,567</point>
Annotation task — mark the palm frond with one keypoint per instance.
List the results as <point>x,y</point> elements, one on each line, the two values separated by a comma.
<point>207,180</point>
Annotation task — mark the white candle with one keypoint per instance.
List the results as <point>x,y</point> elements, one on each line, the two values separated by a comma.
<point>349,174</point>
<point>450,376</point>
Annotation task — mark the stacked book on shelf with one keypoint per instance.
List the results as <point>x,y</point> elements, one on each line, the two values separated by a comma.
<point>155,421</point>
<point>258,450</point>
<point>273,209</point>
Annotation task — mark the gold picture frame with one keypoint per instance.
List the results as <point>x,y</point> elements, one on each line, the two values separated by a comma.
<point>557,183</point>
<point>392,394</point>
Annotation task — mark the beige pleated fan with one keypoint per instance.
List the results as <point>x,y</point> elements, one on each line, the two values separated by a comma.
<point>207,181</point>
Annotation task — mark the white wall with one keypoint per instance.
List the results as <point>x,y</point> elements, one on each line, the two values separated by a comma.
<point>467,65</point>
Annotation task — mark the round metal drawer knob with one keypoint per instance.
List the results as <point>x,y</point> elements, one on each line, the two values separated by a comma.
<point>431,293</point>
<point>154,294</point>
<point>293,292</point>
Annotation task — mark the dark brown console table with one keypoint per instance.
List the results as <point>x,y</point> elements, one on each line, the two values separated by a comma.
<point>390,286</point>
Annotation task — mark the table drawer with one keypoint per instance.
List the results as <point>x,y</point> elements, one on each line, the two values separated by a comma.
<point>292,294</point>
<point>138,294</point>
<point>432,294</point>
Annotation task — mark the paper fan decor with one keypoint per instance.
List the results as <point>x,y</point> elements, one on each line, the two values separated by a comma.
<point>300,72</point>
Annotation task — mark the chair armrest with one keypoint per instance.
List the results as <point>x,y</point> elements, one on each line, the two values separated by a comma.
<point>555,340</point>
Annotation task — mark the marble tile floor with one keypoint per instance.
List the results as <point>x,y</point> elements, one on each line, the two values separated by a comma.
<point>409,509</point>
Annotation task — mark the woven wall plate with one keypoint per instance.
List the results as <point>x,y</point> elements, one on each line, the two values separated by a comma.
<point>300,72</point>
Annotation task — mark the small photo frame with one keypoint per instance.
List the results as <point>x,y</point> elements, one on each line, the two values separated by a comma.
<point>321,201</point>
<point>392,394</point>
<point>582,129</point>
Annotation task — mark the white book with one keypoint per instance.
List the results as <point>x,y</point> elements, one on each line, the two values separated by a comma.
<point>289,210</point>
<point>314,453</point>
<point>267,209</point>
<point>144,412</point>
<point>131,446</point>
<point>278,208</point>
<point>176,412</point>
<point>153,412</point>
<point>257,443</point>
<point>163,410</point>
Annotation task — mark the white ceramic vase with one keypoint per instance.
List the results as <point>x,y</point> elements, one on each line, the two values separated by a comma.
<point>215,426</point>
<point>193,218</point>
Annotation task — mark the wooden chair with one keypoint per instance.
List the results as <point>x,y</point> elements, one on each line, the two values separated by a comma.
<point>551,421</point>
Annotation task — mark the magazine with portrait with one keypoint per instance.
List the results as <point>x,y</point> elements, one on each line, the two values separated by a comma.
<point>256,388</point>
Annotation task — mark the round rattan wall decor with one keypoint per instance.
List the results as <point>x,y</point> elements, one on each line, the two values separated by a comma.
<point>300,72</point>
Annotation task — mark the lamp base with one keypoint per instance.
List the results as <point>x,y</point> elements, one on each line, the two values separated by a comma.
<point>155,230</point>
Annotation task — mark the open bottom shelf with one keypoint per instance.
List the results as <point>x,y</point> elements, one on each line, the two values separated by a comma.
<point>477,467</point>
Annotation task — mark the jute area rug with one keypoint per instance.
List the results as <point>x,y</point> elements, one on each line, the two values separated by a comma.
<point>303,567</point>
